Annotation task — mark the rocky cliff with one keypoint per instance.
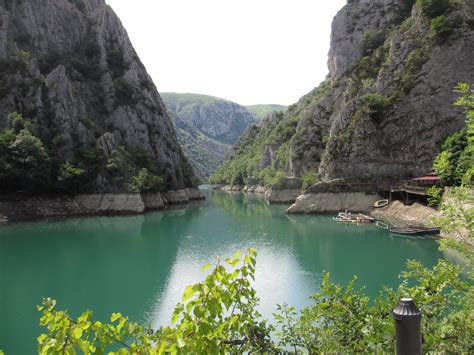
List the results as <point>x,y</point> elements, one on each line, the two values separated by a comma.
<point>386,104</point>
<point>67,67</point>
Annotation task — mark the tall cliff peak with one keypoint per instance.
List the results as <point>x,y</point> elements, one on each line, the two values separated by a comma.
<point>69,68</point>
<point>386,104</point>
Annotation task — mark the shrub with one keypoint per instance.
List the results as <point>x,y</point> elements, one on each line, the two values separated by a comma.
<point>146,182</point>
<point>123,93</point>
<point>29,163</point>
<point>71,178</point>
<point>433,8</point>
<point>434,194</point>
<point>309,178</point>
<point>415,62</point>
<point>116,63</point>
<point>455,159</point>
<point>442,27</point>
<point>375,103</point>
<point>372,40</point>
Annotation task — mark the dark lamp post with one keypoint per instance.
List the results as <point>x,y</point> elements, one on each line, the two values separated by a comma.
<point>408,327</point>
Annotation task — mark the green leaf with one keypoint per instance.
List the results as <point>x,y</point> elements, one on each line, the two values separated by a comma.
<point>188,293</point>
<point>180,342</point>
<point>77,333</point>
<point>206,267</point>
<point>115,316</point>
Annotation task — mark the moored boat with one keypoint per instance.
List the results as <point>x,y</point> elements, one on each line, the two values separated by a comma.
<point>381,203</point>
<point>348,217</point>
<point>415,231</point>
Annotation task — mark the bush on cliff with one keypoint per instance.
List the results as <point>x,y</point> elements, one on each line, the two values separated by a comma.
<point>24,162</point>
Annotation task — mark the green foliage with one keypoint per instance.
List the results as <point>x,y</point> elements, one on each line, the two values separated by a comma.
<point>117,63</point>
<point>372,41</point>
<point>309,178</point>
<point>466,101</point>
<point>406,24</point>
<point>124,92</point>
<point>455,161</point>
<point>442,27</point>
<point>415,62</point>
<point>71,179</point>
<point>457,219</point>
<point>271,177</point>
<point>146,182</point>
<point>134,167</point>
<point>215,316</point>
<point>21,59</point>
<point>433,8</point>
<point>434,194</point>
<point>24,162</point>
<point>262,111</point>
<point>17,122</point>
<point>345,320</point>
<point>375,103</point>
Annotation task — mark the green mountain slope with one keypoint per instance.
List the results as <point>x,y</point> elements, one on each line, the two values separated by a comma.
<point>262,111</point>
<point>205,154</point>
<point>219,119</point>
<point>206,127</point>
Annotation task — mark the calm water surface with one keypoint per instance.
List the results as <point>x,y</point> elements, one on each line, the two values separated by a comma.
<point>139,265</point>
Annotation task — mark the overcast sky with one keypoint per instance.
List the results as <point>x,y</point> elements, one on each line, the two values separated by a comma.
<point>246,51</point>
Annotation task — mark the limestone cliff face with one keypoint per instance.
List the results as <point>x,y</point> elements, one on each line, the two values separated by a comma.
<point>70,69</point>
<point>386,104</point>
<point>413,81</point>
<point>355,19</point>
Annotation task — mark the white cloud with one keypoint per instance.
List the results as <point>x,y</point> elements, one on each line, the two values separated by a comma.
<point>247,51</point>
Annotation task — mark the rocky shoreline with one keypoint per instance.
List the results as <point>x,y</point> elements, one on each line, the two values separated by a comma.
<point>19,208</point>
<point>399,215</point>
<point>329,199</point>
<point>329,202</point>
<point>272,194</point>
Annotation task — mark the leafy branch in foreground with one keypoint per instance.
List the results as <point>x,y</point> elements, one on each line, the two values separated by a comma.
<point>217,315</point>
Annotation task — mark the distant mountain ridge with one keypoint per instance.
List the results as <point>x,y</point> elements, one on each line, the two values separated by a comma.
<point>208,126</point>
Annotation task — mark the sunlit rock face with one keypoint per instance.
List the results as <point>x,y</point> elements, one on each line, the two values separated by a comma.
<point>70,69</point>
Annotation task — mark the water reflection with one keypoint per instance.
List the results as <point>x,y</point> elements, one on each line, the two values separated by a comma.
<point>293,252</point>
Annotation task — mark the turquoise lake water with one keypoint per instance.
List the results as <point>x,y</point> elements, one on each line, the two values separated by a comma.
<point>139,265</point>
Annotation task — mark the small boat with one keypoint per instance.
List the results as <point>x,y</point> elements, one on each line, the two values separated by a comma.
<point>381,203</point>
<point>348,217</point>
<point>415,231</point>
<point>382,225</point>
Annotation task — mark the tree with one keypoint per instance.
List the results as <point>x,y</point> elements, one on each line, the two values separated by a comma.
<point>146,182</point>
<point>71,178</point>
<point>29,163</point>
